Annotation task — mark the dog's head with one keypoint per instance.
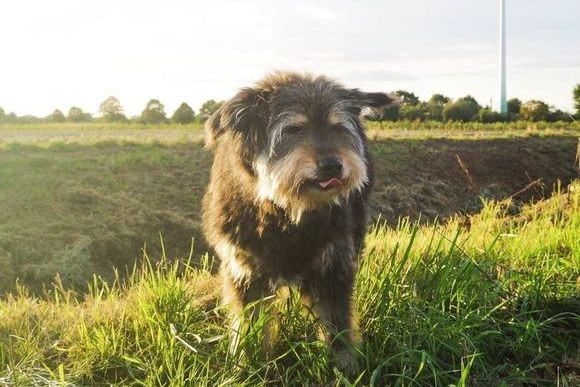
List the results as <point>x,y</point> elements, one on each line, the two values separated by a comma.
<point>301,136</point>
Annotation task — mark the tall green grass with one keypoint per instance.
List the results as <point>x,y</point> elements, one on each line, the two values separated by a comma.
<point>490,299</point>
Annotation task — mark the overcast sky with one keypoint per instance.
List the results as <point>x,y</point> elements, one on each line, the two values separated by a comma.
<point>56,54</point>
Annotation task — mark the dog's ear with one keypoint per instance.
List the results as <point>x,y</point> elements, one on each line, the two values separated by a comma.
<point>213,128</point>
<point>375,100</point>
<point>369,104</point>
<point>246,115</point>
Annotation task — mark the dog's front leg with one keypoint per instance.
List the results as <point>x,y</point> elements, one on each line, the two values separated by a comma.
<point>329,291</point>
<point>246,299</point>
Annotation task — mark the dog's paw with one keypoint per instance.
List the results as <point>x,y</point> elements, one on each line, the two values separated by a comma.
<point>346,361</point>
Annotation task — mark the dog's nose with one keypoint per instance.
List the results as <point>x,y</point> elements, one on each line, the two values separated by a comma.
<point>330,166</point>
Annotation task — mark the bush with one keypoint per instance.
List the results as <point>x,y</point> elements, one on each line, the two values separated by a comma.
<point>413,112</point>
<point>559,115</point>
<point>487,116</point>
<point>464,109</point>
<point>535,110</point>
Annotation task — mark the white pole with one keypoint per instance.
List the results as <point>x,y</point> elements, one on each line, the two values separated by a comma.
<point>502,76</point>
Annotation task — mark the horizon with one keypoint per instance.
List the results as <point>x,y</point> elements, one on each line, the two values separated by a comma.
<point>66,54</point>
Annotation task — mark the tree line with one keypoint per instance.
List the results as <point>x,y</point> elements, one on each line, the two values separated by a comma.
<point>409,108</point>
<point>467,109</point>
<point>111,110</point>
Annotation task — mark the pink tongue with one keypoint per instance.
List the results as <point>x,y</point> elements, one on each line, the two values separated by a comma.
<point>330,183</point>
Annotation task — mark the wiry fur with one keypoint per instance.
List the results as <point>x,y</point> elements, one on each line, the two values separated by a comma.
<point>263,212</point>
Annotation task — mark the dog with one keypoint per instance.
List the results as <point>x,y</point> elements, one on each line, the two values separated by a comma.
<point>286,200</point>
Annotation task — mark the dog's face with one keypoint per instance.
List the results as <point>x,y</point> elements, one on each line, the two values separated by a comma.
<point>301,137</point>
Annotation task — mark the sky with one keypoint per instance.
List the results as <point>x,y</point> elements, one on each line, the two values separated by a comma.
<point>61,53</point>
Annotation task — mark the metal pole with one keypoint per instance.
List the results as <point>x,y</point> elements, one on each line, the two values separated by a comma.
<point>502,67</point>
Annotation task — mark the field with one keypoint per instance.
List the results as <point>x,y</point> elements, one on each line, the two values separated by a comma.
<point>478,285</point>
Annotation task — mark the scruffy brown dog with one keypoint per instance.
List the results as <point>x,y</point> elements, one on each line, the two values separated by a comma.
<point>287,195</point>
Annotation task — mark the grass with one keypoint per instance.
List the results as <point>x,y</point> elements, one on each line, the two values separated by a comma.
<point>487,299</point>
<point>82,208</point>
<point>83,126</point>
<point>47,135</point>
<point>475,126</point>
<point>44,134</point>
<point>481,299</point>
<point>469,130</point>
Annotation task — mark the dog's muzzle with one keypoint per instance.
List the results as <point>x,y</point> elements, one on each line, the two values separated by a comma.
<point>329,172</point>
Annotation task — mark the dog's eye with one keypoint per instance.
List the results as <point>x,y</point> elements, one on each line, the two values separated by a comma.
<point>340,128</point>
<point>293,129</point>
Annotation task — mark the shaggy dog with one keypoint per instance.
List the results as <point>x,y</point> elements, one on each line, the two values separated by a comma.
<point>286,201</point>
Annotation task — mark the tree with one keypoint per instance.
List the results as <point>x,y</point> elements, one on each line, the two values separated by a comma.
<point>514,106</point>
<point>577,99</point>
<point>56,116</point>
<point>10,118</point>
<point>111,110</point>
<point>208,108</point>
<point>558,115</point>
<point>154,112</point>
<point>2,115</point>
<point>407,98</point>
<point>487,116</point>
<point>413,112</point>
<point>434,107</point>
<point>464,109</point>
<point>29,119</point>
<point>76,114</point>
<point>535,110</point>
<point>438,99</point>
<point>472,101</point>
<point>391,112</point>
<point>183,115</point>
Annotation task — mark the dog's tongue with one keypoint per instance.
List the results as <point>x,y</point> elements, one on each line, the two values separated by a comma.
<point>330,183</point>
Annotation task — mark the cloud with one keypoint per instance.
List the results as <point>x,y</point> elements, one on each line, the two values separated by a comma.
<point>552,63</point>
<point>194,50</point>
<point>320,13</point>
<point>378,76</point>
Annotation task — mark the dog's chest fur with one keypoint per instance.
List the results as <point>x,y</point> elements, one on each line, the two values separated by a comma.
<point>281,248</point>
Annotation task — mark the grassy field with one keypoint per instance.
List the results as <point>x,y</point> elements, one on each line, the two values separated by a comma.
<point>490,299</point>
<point>48,133</point>
<point>468,290</point>
<point>81,199</point>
